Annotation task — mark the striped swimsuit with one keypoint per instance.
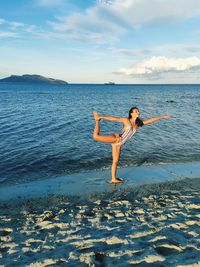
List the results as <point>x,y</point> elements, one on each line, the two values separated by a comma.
<point>126,135</point>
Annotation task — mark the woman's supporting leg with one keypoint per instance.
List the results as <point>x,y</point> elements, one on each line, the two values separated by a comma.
<point>116,150</point>
<point>102,138</point>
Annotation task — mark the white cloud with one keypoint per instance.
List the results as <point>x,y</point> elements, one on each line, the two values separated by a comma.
<point>17,29</point>
<point>139,12</point>
<point>130,53</point>
<point>2,21</point>
<point>108,19</point>
<point>179,49</point>
<point>92,25</point>
<point>161,64</point>
<point>14,24</point>
<point>5,34</point>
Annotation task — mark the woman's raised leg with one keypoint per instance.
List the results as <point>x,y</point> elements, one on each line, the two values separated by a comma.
<point>116,150</point>
<point>102,138</point>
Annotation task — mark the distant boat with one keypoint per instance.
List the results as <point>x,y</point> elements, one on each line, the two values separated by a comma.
<point>109,83</point>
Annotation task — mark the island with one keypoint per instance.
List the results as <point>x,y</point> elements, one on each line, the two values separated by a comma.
<point>28,78</point>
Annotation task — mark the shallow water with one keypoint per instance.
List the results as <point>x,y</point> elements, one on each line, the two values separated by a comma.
<point>46,130</point>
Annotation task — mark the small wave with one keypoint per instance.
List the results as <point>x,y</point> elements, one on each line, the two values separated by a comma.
<point>2,180</point>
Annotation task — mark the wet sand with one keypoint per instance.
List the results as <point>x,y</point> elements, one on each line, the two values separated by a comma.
<point>78,184</point>
<point>155,224</point>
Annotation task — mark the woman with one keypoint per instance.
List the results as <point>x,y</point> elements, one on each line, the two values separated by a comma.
<point>131,125</point>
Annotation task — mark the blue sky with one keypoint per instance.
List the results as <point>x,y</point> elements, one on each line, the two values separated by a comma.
<point>89,41</point>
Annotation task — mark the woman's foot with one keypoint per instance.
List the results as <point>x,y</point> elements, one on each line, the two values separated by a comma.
<point>117,181</point>
<point>96,116</point>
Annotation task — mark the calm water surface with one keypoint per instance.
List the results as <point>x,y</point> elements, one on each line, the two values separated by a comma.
<point>46,130</point>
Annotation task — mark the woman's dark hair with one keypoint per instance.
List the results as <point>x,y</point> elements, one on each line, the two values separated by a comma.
<point>138,121</point>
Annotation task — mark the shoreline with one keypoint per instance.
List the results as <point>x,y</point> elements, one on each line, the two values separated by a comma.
<point>80,184</point>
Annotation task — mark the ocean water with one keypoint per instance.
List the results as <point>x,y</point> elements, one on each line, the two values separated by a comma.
<point>46,130</point>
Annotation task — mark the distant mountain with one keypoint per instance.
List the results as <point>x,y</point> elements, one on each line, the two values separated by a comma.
<point>27,78</point>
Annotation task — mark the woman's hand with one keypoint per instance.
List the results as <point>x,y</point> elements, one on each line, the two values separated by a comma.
<point>96,116</point>
<point>167,116</point>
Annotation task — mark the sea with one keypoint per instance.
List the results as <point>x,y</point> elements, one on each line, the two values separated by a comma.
<point>46,131</point>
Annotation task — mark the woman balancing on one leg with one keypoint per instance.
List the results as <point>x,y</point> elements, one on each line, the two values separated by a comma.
<point>131,124</point>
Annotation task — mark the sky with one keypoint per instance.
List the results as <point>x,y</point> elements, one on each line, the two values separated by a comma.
<point>97,41</point>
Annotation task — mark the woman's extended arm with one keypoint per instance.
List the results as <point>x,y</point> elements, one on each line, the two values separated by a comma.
<point>111,118</point>
<point>156,119</point>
